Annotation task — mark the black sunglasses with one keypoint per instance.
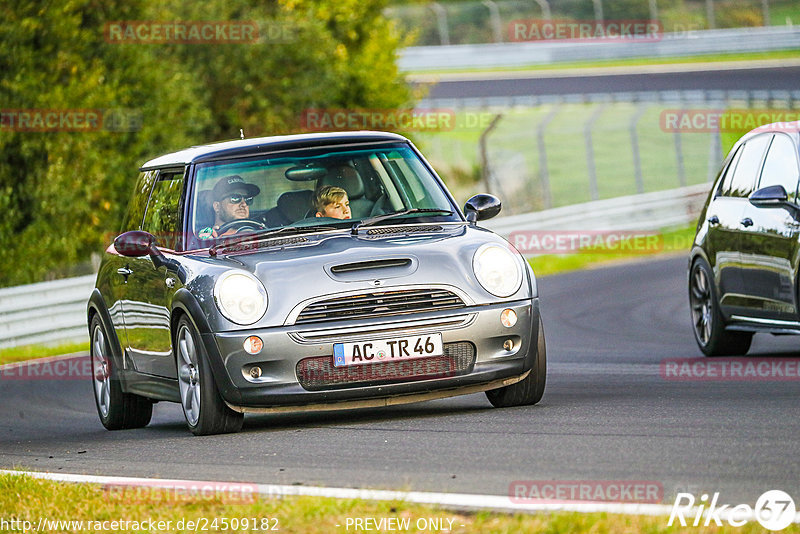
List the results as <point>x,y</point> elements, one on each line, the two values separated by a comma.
<point>236,199</point>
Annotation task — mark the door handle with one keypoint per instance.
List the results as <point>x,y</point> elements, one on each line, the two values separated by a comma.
<point>713,220</point>
<point>746,222</point>
<point>124,271</point>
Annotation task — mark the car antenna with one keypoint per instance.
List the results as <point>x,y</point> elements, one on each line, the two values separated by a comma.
<point>241,133</point>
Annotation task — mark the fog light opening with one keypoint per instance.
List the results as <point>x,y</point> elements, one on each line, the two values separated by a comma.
<point>508,344</point>
<point>253,345</point>
<point>255,372</point>
<point>508,318</point>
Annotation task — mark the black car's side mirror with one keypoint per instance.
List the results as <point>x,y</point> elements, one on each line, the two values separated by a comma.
<point>136,244</point>
<point>770,196</point>
<point>482,207</point>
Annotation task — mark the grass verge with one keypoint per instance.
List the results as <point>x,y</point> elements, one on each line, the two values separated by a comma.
<point>92,508</point>
<point>30,352</point>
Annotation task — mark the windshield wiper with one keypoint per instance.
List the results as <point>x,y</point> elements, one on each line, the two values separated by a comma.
<point>257,237</point>
<point>380,218</point>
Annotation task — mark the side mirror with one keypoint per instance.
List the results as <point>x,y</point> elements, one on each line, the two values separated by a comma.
<point>772,195</point>
<point>135,244</point>
<point>482,207</point>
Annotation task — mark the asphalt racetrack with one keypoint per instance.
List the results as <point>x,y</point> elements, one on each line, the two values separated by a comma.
<point>516,84</point>
<point>607,414</point>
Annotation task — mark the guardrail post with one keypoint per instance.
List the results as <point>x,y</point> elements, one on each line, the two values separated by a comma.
<point>494,14</point>
<point>545,5</point>
<point>587,133</point>
<point>441,20</point>
<point>485,171</point>
<point>637,162</point>
<point>547,195</point>
<point>712,23</point>
<point>765,12</point>
<point>654,11</point>
<point>714,155</point>
<point>679,156</point>
<point>598,10</point>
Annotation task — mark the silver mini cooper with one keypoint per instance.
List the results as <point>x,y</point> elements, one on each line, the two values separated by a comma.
<point>307,272</point>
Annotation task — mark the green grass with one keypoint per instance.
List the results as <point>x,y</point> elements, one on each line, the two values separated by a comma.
<point>24,498</point>
<point>673,241</point>
<point>514,154</point>
<point>30,352</point>
<point>628,62</point>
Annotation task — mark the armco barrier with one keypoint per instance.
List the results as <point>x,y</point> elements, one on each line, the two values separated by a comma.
<point>694,43</point>
<point>55,312</point>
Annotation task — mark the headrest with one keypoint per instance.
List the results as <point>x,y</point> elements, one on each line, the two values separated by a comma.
<point>347,178</point>
<point>295,204</point>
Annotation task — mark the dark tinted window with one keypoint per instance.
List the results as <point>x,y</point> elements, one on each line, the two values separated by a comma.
<point>780,166</point>
<point>744,176</point>
<point>136,207</point>
<point>725,185</point>
<point>163,211</point>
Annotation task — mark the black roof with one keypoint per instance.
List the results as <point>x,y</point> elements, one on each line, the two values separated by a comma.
<point>261,145</point>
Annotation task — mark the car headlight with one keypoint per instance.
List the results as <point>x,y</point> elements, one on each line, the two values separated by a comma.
<point>498,270</point>
<point>240,297</point>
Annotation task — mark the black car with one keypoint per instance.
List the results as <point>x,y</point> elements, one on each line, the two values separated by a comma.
<point>743,266</point>
<point>307,272</point>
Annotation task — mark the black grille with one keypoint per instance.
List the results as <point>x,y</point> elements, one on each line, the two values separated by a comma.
<point>319,373</point>
<point>403,229</point>
<point>380,304</point>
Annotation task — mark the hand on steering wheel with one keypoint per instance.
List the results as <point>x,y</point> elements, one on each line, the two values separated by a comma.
<point>240,224</point>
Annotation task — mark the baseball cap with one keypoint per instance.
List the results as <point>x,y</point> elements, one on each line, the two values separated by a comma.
<point>228,184</point>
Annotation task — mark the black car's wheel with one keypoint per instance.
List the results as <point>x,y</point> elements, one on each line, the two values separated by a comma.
<point>527,391</point>
<point>117,410</point>
<point>206,413</point>
<point>708,325</point>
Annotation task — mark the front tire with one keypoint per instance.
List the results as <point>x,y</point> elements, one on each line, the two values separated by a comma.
<point>117,410</point>
<point>205,411</point>
<point>529,390</point>
<point>707,322</point>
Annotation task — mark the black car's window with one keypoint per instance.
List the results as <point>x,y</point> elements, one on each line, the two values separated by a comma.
<point>162,218</point>
<point>780,166</point>
<point>744,176</point>
<point>725,184</point>
<point>141,194</point>
<point>279,189</point>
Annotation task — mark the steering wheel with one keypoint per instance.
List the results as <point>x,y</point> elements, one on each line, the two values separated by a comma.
<point>239,225</point>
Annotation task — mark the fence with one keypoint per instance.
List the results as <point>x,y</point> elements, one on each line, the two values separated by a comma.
<point>559,150</point>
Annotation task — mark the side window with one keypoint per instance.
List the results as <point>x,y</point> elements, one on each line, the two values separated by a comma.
<point>138,203</point>
<point>780,167</point>
<point>748,167</point>
<point>725,185</point>
<point>163,216</point>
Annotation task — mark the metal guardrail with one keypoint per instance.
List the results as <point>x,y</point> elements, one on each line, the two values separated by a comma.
<point>55,312</point>
<point>693,43</point>
<point>47,312</point>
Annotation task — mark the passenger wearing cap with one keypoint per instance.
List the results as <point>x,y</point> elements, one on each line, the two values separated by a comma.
<point>232,197</point>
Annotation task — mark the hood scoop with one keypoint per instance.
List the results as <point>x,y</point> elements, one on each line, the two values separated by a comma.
<point>375,269</point>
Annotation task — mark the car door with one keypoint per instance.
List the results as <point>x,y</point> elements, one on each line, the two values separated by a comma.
<point>769,246</point>
<point>149,288</point>
<point>119,265</point>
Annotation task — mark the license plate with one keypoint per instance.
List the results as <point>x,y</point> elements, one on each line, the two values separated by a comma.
<point>386,350</point>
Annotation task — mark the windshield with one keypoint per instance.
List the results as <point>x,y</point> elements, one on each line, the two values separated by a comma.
<point>315,190</point>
